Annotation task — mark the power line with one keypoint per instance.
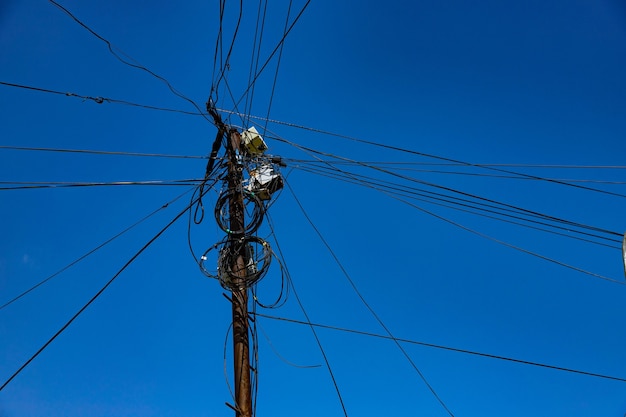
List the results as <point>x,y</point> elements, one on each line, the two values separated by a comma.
<point>99,152</point>
<point>453,164</point>
<point>404,166</point>
<point>365,303</point>
<point>497,240</point>
<point>455,191</point>
<point>100,246</point>
<point>92,299</point>
<point>99,99</point>
<point>226,64</point>
<point>493,167</point>
<point>278,46</point>
<point>16,185</point>
<point>400,191</point>
<point>130,64</point>
<point>280,55</point>
<point>452,349</point>
<point>317,340</point>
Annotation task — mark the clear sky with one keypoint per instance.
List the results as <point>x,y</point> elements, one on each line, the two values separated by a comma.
<point>488,113</point>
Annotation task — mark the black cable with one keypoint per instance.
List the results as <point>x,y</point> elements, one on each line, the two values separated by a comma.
<point>497,240</point>
<point>130,64</point>
<point>452,164</point>
<point>317,340</point>
<point>452,202</point>
<point>452,349</point>
<point>434,171</point>
<point>280,55</point>
<point>84,307</point>
<point>98,152</point>
<point>256,53</point>
<point>106,242</point>
<point>42,185</point>
<point>224,65</point>
<point>452,190</point>
<point>269,58</point>
<point>218,47</point>
<point>526,251</point>
<point>100,100</point>
<point>365,303</point>
<point>492,167</point>
<point>505,243</point>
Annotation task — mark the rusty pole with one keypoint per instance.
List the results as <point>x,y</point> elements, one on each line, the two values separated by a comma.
<point>238,267</point>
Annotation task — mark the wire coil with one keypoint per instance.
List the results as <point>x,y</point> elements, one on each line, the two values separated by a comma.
<point>253,212</point>
<point>241,262</point>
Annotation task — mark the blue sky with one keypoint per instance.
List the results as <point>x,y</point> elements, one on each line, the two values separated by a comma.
<point>534,88</point>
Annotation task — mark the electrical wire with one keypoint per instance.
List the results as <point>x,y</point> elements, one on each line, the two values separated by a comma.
<point>365,303</point>
<point>99,152</point>
<point>280,55</point>
<point>126,62</point>
<point>317,339</point>
<point>493,167</point>
<point>448,348</point>
<point>452,164</point>
<point>22,185</point>
<point>269,58</point>
<point>452,190</point>
<point>278,355</point>
<point>460,204</point>
<point>95,296</point>
<point>563,264</point>
<point>100,100</point>
<point>256,54</point>
<point>226,64</point>
<point>100,246</point>
<point>404,167</point>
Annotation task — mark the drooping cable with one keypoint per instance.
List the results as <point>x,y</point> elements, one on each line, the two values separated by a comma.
<point>30,185</point>
<point>449,189</point>
<point>448,348</point>
<point>493,167</point>
<point>280,56</point>
<point>256,53</point>
<point>95,297</point>
<point>126,62</point>
<point>563,264</point>
<point>99,152</point>
<point>100,100</point>
<point>365,303</point>
<point>468,206</point>
<point>95,249</point>
<point>269,58</point>
<point>317,340</point>
<point>226,64</point>
<point>407,167</point>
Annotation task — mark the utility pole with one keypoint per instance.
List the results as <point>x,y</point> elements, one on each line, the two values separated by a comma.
<point>242,258</point>
<point>239,259</point>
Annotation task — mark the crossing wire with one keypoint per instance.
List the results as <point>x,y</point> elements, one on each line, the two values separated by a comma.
<point>448,348</point>
<point>130,64</point>
<point>92,251</point>
<point>365,303</point>
<point>95,296</point>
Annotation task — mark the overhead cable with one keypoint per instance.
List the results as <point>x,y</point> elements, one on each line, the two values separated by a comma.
<point>100,100</point>
<point>95,296</point>
<point>278,46</point>
<point>315,335</point>
<point>365,303</point>
<point>493,167</point>
<point>126,62</point>
<point>452,349</point>
<point>100,246</point>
